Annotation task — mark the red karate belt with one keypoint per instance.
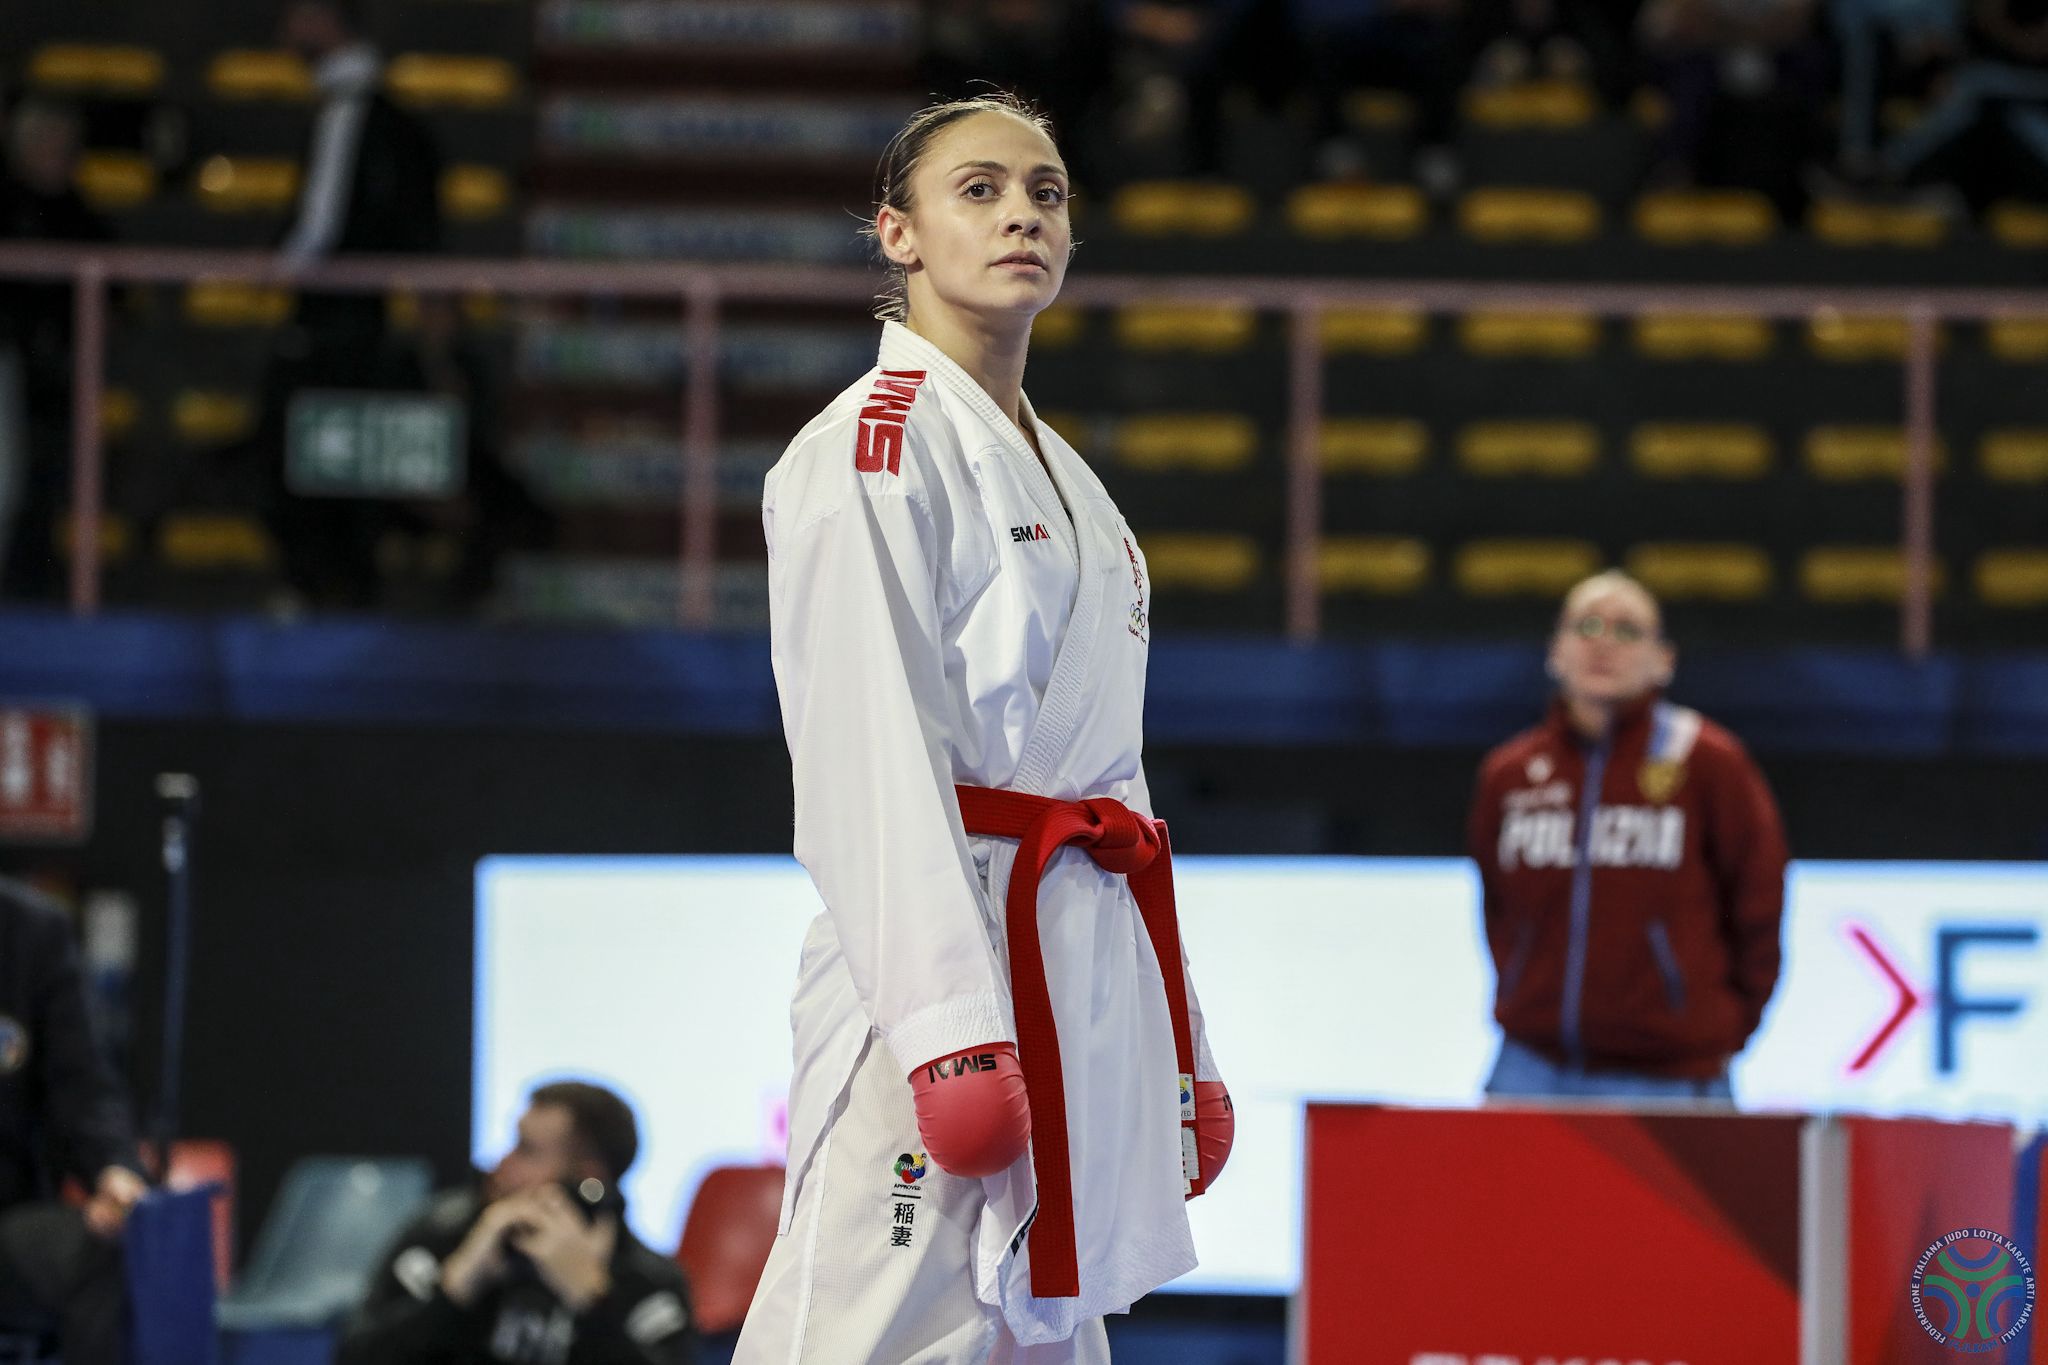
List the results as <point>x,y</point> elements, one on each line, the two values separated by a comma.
<point>1122,841</point>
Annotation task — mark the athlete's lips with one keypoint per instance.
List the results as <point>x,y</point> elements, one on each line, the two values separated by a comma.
<point>1021,259</point>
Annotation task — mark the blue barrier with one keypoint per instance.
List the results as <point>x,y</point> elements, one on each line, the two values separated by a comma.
<point>1202,689</point>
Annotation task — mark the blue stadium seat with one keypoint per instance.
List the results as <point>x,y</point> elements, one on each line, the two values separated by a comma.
<point>334,1217</point>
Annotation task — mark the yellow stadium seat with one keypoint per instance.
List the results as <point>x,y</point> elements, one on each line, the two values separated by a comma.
<point>1544,449</point>
<point>236,303</point>
<point>2018,341</point>
<point>1844,454</point>
<point>1528,215</point>
<point>1214,328</point>
<point>1550,336</point>
<point>471,193</point>
<point>424,78</point>
<point>1702,336</point>
<point>89,68</point>
<point>1387,212</point>
<point>2019,225</point>
<point>2015,455</point>
<point>1852,338</point>
<point>120,410</point>
<point>1208,442</point>
<point>116,536</point>
<point>1374,331</point>
<point>1383,566</point>
<point>1726,573</point>
<point>2016,577</point>
<point>204,417</point>
<point>112,181</point>
<point>203,542</point>
<point>1859,573</point>
<point>1548,105</point>
<point>1700,450</point>
<point>1200,561</point>
<point>1521,568</point>
<point>1844,222</point>
<point>1381,109</point>
<point>248,184</point>
<point>1386,446</point>
<point>1705,218</point>
<point>1182,208</point>
<point>254,74</point>
<point>1058,326</point>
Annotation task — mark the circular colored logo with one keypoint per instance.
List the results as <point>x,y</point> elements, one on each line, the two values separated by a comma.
<point>910,1169</point>
<point>13,1045</point>
<point>1973,1290</point>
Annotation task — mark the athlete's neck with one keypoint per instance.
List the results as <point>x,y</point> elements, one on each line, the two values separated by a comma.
<point>992,355</point>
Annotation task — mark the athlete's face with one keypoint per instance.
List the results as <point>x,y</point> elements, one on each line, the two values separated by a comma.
<point>987,231</point>
<point>1610,647</point>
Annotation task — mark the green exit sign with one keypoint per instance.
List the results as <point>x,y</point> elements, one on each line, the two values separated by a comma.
<point>341,444</point>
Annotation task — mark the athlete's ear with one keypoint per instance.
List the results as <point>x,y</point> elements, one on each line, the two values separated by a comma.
<point>892,231</point>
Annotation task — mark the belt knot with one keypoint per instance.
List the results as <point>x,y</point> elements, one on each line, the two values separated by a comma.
<point>1122,841</point>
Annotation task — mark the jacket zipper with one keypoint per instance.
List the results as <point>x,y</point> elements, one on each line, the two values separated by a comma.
<point>1582,906</point>
<point>1667,963</point>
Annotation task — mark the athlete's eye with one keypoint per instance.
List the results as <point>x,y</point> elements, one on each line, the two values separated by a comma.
<point>973,189</point>
<point>1052,196</point>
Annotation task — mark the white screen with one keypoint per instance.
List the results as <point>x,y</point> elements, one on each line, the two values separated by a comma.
<point>669,980</point>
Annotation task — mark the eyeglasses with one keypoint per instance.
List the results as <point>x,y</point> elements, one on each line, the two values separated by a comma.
<point>1590,627</point>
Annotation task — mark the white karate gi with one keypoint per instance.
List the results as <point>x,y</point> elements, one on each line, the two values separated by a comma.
<point>943,613</point>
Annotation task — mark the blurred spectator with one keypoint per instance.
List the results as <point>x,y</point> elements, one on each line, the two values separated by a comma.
<point>371,185</point>
<point>1741,79</point>
<point>372,172</point>
<point>37,202</point>
<point>1633,873</point>
<point>537,1267</point>
<point>1418,47</point>
<point>1178,59</point>
<point>1565,40</point>
<point>61,1114</point>
<point>2005,74</point>
<point>1886,44</point>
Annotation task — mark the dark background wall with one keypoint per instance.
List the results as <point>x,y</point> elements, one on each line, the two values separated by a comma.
<point>331,971</point>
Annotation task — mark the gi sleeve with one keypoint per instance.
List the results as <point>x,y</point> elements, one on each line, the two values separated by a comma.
<point>854,580</point>
<point>405,1319</point>
<point>1747,848</point>
<point>89,1118</point>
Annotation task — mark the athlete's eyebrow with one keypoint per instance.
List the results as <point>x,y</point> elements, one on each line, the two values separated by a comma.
<point>1044,168</point>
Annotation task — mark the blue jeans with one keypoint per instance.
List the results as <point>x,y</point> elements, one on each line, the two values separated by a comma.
<point>2020,91</point>
<point>1522,1073</point>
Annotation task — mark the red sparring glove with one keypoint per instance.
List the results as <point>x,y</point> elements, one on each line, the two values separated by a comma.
<point>972,1109</point>
<point>1216,1122</point>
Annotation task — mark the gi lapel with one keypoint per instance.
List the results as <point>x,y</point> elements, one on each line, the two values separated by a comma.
<point>1066,690</point>
<point>905,349</point>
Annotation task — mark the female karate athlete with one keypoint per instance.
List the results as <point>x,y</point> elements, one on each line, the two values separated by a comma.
<point>1003,1093</point>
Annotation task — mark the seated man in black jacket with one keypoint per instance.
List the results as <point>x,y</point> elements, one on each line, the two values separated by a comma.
<point>61,1114</point>
<point>537,1267</point>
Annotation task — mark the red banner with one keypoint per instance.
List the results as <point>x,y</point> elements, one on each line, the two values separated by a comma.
<point>1477,1237</point>
<point>45,774</point>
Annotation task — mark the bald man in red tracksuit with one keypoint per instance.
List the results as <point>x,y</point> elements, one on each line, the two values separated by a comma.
<point>1633,868</point>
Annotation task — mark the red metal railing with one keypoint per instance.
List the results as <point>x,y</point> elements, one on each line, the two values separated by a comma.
<point>704,290</point>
